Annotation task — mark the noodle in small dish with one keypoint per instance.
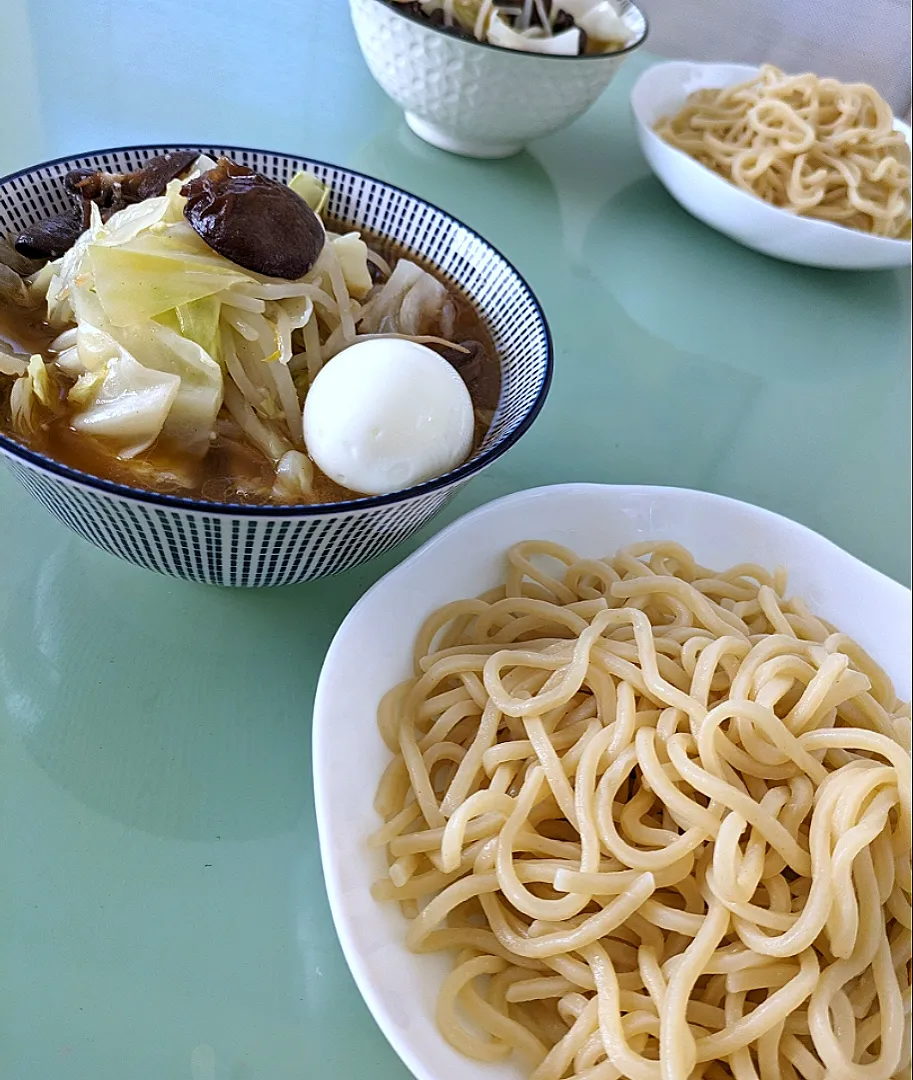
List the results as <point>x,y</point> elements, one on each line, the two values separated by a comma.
<point>660,817</point>
<point>815,147</point>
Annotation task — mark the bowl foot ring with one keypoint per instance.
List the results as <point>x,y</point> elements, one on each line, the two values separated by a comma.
<point>455,144</point>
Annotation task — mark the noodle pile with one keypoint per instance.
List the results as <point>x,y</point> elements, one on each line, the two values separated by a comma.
<point>817,147</point>
<point>661,816</point>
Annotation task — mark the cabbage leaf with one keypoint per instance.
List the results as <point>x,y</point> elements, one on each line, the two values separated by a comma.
<point>294,478</point>
<point>24,401</point>
<point>41,381</point>
<point>83,391</point>
<point>314,192</point>
<point>149,275</point>
<point>128,223</point>
<point>11,363</point>
<point>130,405</point>
<point>198,321</point>
<point>352,253</point>
<point>192,413</point>
<point>411,302</point>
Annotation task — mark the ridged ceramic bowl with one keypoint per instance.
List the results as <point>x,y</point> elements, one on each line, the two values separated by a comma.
<point>477,99</point>
<point>229,544</point>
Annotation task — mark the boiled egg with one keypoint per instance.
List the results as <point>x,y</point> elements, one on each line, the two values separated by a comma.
<point>386,414</point>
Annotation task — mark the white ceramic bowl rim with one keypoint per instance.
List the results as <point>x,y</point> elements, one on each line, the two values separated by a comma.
<point>462,472</point>
<point>749,70</point>
<point>629,5</point>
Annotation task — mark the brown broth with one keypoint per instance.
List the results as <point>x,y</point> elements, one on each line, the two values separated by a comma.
<point>24,330</point>
<point>232,471</point>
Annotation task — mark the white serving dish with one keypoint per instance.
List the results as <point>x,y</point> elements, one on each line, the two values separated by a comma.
<point>477,99</point>
<point>662,90</point>
<point>372,651</point>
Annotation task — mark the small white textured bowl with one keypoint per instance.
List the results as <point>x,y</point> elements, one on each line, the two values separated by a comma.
<point>661,91</point>
<point>476,99</point>
<point>372,651</point>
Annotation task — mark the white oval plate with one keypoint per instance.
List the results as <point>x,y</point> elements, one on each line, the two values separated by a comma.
<point>372,651</point>
<point>662,90</point>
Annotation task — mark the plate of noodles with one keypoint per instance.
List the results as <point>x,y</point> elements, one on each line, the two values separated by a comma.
<point>615,781</point>
<point>802,168</point>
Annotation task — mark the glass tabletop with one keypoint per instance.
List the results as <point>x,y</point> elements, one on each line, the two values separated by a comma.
<point>161,897</point>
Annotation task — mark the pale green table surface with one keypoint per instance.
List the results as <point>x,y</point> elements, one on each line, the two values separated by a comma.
<point>161,902</point>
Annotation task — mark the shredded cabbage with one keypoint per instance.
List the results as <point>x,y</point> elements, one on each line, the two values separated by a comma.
<point>158,332</point>
<point>352,253</point>
<point>38,283</point>
<point>70,274</point>
<point>130,405</point>
<point>262,435</point>
<point>24,407</point>
<point>41,381</point>
<point>11,364</point>
<point>314,192</point>
<point>84,390</point>
<point>94,348</point>
<point>32,391</point>
<point>294,478</point>
<point>421,305</point>
<point>386,302</point>
<point>193,409</point>
<point>203,164</point>
<point>128,223</point>
<point>65,340</point>
<point>411,302</point>
<point>150,274</point>
<point>198,321</point>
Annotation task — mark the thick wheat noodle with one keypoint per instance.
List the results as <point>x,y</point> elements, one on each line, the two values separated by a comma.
<point>816,147</point>
<point>660,817</point>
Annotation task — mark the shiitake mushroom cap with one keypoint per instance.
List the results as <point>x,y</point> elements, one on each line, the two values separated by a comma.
<point>257,223</point>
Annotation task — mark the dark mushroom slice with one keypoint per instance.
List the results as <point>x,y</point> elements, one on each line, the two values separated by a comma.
<point>157,174</point>
<point>121,189</point>
<point>481,378</point>
<point>17,262</point>
<point>255,222</point>
<point>563,22</point>
<point>110,192</point>
<point>53,237</point>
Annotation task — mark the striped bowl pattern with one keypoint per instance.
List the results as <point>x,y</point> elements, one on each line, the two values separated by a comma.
<point>233,544</point>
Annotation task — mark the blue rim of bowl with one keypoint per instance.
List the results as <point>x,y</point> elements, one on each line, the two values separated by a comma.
<point>595,57</point>
<point>178,502</point>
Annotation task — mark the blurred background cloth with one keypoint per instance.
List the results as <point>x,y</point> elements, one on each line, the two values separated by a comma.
<point>852,40</point>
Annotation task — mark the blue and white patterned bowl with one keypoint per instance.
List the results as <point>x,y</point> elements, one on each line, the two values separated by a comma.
<point>229,544</point>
